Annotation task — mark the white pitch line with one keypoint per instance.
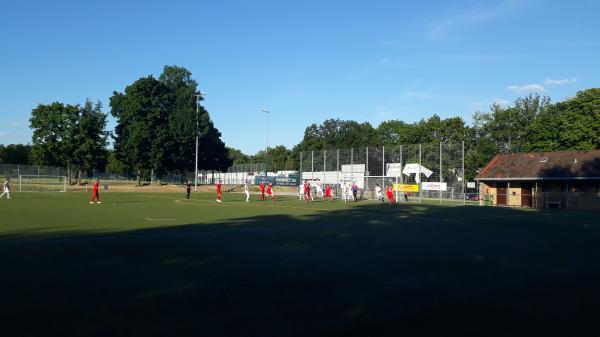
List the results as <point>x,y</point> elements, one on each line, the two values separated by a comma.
<point>151,219</point>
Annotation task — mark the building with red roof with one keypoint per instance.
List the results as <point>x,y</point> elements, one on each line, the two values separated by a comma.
<point>563,179</point>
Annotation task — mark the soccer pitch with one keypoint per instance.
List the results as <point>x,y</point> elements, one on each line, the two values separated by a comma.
<point>160,265</point>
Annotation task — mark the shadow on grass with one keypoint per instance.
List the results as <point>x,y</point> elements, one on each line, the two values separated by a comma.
<point>373,270</point>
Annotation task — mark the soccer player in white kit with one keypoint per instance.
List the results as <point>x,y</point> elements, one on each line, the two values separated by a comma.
<point>378,193</point>
<point>6,188</point>
<point>301,190</point>
<point>319,191</point>
<point>247,191</point>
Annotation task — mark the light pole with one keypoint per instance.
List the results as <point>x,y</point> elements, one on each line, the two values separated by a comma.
<point>267,149</point>
<point>199,95</point>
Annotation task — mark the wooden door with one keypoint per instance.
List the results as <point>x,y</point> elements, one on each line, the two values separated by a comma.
<point>501,193</point>
<point>526,196</point>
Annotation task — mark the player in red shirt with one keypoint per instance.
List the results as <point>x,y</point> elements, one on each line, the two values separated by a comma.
<point>307,192</point>
<point>262,190</point>
<point>328,193</point>
<point>95,193</point>
<point>219,191</point>
<point>270,192</point>
<point>390,194</point>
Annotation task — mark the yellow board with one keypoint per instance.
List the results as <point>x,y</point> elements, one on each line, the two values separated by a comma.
<point>406,188</point>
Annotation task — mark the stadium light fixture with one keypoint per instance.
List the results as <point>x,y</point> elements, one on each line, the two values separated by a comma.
<point>267,148</point>
<point>199,95</point>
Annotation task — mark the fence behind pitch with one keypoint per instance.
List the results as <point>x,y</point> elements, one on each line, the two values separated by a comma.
<point>432,171</point>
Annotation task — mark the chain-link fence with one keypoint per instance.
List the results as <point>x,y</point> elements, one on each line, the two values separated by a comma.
<point>420,172</point>
<point>15,170</point>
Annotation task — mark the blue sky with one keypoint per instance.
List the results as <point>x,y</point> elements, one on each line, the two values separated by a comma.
<point>305,61</point>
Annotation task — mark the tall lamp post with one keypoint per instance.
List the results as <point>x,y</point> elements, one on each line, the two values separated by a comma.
<point>267,149</point>
<point>199,95</point>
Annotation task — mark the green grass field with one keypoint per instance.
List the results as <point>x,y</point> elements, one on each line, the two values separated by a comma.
<point>159,265</point>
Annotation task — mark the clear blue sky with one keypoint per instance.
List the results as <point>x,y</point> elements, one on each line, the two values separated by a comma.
<point>306,61</point>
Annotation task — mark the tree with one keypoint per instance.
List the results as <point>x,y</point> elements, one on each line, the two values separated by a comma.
<point>142,137</point>
<point>570,125</point>
<point>89,139</point>
<point>280,158</point>
<point>337,134</point>
<point>69,135</point>
<point>114,165</point>
<point>182,124</point>
<point>237,157</point>
<point>53,128</point>
<point>15,154</point>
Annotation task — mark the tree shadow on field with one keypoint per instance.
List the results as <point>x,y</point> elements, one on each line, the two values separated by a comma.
<point>372,270</point>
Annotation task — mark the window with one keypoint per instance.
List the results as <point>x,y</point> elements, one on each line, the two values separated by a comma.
<point>564,187</point>
<point>546,188</point>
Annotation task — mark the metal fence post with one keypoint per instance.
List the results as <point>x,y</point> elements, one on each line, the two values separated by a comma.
<point>300,168</point>
<point>312,165</point>
<point>383,169</point>
<point>463,173</point>
<point>419,180</point>
<point>352,164</point>
<point>441,177</point>
<point>324,166</point>
<point>367,173</point>
<point>337,170</point>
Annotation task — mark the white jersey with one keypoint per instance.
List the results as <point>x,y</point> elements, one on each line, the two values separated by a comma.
<point>247,192</point>
<point>6,186</point>
<point>378,193</point>
<point>319,189</point>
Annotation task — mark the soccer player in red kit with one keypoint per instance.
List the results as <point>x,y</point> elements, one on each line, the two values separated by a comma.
<point>390,194</point>
<point>262,190</point>
<point>328,193</point>
<point>95,195</point>
<point>219,191</point>
<point>270,192</point>
<point>307,192</point>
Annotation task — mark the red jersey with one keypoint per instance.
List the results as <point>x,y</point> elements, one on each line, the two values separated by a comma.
<point>327,190</point>
<point>96,185</point>
<point>269,190</point>
<point>262,186</point>
<point>389,190</point>
<point>219,188</point>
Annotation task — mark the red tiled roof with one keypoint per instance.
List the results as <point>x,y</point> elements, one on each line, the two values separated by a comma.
<point>544,165</point>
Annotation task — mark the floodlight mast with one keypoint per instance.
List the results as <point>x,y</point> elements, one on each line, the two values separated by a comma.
<point>267,148</point>
<point>199,95</point>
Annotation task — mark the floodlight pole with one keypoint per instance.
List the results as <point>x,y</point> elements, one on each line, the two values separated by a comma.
<point>267,148</point>
<point>199,96</point>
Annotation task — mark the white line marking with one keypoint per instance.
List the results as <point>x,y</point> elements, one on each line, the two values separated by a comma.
<point>151,219</point>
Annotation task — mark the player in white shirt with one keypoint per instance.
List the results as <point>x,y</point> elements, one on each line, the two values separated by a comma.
<point>319,191</point>
<point>6,188</point>
<point>301,190</point>
<point>378,193</point>
<point>247,191</point>
<point>345,191</point>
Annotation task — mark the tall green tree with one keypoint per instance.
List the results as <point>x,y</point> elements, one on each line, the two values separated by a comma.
<point>280,158</point>
<point>142,137</point>
<point>212,153</point>
<point>53,127</point>
<point>570,125</point>
<point>69,135</point>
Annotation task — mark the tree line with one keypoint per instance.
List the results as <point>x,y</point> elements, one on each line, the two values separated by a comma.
<point>531,124</point>
<point>156,122</point>
<point>156,116</point>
